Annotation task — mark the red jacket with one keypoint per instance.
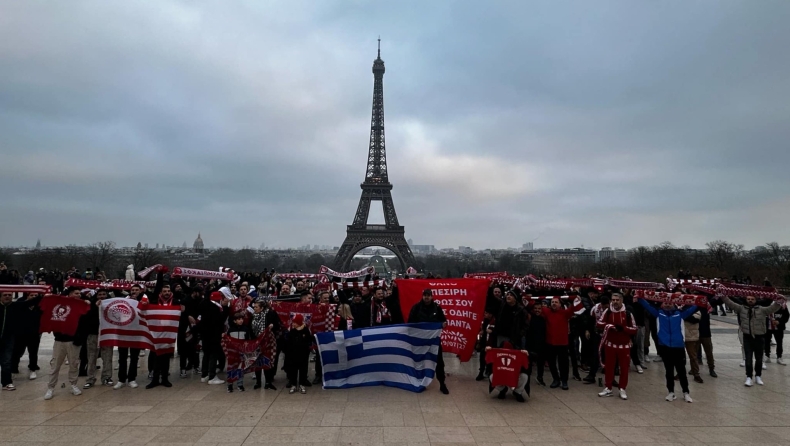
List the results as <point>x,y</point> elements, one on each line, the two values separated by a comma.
<point>557,329</point>
<point>610,321</point>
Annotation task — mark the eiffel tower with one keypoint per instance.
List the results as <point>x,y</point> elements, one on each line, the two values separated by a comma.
<point>360,234</point>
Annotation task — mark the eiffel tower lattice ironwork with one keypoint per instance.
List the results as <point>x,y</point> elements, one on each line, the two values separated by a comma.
<point>360,234</point>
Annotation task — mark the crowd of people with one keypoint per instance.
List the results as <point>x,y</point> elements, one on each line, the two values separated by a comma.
<point>593,332</point>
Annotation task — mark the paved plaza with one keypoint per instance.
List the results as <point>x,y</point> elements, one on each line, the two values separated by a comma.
<point>724,411</point>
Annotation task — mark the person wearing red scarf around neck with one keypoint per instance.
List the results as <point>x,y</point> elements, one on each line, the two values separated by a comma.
<point>618,326</point>
<point>557,330</point>
<point>160,364</point>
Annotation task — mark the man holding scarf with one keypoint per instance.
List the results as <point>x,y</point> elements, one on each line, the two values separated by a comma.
<point>617,325</point>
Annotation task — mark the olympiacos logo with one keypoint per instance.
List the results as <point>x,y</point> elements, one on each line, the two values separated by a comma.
<point>60,312</point>
<point>119,313</point>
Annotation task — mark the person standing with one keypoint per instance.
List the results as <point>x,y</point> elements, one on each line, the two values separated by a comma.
<point>297,349</point>
<point>264,317</point>
<point>213,314</point>
<point>691,326</point>
<point>27,336</point>
<point>777,322</point>
<point>65,348</point>
<point>671,346</point>
<point>753,326</point>
<point>426,310</point>
<point>11,314</point>
<point>128,357</point>
<point>618,326</point>
<point>557,330</point>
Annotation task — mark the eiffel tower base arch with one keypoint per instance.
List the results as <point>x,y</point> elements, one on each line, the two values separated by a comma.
<point>356,242</point>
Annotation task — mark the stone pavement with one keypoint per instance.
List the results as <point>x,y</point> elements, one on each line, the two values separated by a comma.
<point>724,411</point>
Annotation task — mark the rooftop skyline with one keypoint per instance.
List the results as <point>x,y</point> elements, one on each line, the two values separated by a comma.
<point>568,124</point>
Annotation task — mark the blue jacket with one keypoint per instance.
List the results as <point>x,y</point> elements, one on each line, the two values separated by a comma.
<point>670,324</point>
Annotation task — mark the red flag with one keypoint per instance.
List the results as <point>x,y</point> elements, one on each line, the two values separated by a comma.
<point>61,314</point>
<point>248,356</point>
<point>463,302</point>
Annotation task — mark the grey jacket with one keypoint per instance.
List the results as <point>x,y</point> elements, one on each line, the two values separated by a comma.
<point>752,318</point>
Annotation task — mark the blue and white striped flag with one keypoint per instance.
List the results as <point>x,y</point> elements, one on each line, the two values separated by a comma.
<point>401,356</point>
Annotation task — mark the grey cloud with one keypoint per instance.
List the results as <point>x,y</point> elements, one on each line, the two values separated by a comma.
<point>614,122</point>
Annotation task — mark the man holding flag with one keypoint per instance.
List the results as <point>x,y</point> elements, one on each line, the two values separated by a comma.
<point>427,310</point>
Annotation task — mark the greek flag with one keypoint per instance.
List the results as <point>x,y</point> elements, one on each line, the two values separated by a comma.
<point>401,356</point>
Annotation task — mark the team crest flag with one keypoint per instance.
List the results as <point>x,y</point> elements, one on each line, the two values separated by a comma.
<point>127,323</point>
<point>463,302</point>
<point>248,356</point>
<point>61,314</point>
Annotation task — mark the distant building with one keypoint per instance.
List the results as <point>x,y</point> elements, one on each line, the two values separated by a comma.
<point>546,258</point>
<point>198,245</point>
<point>527,246</point>
<point>607,253</point>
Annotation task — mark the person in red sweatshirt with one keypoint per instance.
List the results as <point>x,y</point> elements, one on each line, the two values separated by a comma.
<point>557,331</point>
<point>618,326</point>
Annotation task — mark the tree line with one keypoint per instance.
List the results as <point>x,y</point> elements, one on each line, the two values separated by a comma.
<point>720,259</point>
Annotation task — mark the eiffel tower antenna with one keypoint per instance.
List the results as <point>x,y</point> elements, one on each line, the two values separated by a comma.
<point>376,186</point>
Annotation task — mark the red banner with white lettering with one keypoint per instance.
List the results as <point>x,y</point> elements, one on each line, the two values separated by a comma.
<point>463,302</point>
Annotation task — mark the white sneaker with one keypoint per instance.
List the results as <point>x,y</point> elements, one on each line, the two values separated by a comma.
<point>767,359</point>
<point>204,379</point>
<point>292,389</point>
<point>133,384</point>
<point>759,381</point>
<point>216,381</point>
<point>743,364</point>
<point>302,390</point>
<point>765,366</point>
<point>639,370</point>
<point>33,375</point>
<point>780,361</point>
<point>605,392</point>
<point>623,395</point>
<point>118,385</point>
<point>76,391</point>
<point>671,396</point>
<point>748,382</point>
<point>48,395</point>
<point>687,398</point>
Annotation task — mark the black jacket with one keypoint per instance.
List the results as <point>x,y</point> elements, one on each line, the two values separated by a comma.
<point>426,313</point>
<point>361,313</point>
<point>212,320</point>
<point>511,323</point>
<point>298,344</point>
<point>29,317</point>
<point>536,334</point>
<point>12,315</point>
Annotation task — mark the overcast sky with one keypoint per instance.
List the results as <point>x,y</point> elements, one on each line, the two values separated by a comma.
<point>601,123</point>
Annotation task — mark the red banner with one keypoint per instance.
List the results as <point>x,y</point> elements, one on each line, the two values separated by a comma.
<point>319,317</point>
<point>463,302</point>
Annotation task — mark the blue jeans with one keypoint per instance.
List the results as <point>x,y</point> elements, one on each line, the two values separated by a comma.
<point>6,355</point>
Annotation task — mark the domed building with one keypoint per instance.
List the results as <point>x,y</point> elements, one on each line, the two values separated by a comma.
<point>198,245</point>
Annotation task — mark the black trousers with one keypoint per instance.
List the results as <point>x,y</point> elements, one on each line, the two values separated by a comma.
<point>674,363</point>
<point>573,346</point>
<point>779,336</point>
<point>188,357</point>
<point>593,361</point>
<point>29,342</point>
<point>319,368</point>
<point>212,349</point>
<point>558,354</point>
<point>269,374</point>
<point>440,375</point>
<point>753,348</point>
<point>537,360</point>
<point>297,367</point>
<point>132,355</point>
<point>161,365</point>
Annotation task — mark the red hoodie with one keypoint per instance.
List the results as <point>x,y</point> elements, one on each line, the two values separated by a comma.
<point>557,323</point>
<point>610,320</point>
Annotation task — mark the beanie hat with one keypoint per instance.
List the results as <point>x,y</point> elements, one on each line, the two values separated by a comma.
<point>216,296</point>
<point>298,319</point>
